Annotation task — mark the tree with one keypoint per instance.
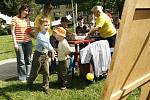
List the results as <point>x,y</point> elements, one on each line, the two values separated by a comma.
<point>107,4</point>
<point>120,4</point>
<point>10,7</point>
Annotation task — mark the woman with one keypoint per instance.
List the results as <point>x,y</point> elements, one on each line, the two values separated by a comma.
<point>20,29</point>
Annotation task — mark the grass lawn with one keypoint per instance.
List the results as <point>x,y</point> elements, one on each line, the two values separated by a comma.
<point>78,89</point>
<point>6,47</point>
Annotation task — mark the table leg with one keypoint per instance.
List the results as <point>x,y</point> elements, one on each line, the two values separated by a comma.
<point>75,59</point>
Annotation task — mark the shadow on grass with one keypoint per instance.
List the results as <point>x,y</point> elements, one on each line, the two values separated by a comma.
<point>5,96</point>
<point>16,87</point>
<point>6,52</point>
<point>76,83</point>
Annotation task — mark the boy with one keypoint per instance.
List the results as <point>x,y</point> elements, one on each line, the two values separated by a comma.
<point>63,54</point>
<point>81,29</point>
<point>40,57</point>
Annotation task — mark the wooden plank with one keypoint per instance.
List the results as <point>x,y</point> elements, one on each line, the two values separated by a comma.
<point>145,90</point>
<point>129,7</point>
<point>143,4</point>
<point>142,65</point>
<point>124,98</point>
<point>142,14</point>
<point>128,88</point>
<point>129,52</point>
<point>130,66</point>
<point>148,98</point>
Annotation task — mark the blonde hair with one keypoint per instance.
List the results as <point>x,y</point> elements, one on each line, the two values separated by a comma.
<point>97,8</point>
<point>43,20</point>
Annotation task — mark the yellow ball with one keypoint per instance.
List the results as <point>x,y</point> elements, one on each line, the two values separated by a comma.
<point>89,76</point>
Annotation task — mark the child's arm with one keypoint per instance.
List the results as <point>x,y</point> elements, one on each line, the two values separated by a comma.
<point>68,49</point>
<point>46,44</point>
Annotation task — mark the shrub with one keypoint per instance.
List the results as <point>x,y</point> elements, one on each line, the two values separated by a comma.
<point>5,31</point>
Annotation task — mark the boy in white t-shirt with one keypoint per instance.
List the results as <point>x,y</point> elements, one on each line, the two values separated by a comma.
<point>63,54</point>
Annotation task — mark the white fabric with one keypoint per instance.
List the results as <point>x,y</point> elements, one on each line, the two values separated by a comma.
<point>100,53</point>
<point>85,55</point>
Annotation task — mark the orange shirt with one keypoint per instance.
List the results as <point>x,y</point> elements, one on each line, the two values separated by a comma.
<point>22,28</point>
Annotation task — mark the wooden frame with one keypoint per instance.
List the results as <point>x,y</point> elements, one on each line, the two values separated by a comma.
<point>130,67</point>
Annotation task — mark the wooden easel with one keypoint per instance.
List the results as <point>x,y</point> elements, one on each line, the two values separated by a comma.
<point>130,67</point>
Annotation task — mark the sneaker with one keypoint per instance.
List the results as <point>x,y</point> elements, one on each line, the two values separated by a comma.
<point>63,88</point>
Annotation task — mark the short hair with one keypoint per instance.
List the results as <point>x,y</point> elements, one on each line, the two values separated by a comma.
<point>79,18</point>
<point>97,8</point>
<point>64,19</point>
<point>43,20</point>
<point>23,7</point>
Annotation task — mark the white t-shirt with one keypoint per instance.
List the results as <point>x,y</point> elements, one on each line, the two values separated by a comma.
<point>63,48</point>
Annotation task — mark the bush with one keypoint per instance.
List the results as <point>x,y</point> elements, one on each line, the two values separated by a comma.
<point>5,31</point>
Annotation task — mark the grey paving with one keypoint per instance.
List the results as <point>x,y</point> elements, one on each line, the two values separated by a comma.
<point>8,69</point>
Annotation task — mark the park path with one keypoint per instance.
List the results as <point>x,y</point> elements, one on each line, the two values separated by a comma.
<point>8,69</point>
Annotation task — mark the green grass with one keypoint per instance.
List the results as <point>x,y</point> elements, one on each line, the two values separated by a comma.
<point>6,47</point>
<point>78,89</point>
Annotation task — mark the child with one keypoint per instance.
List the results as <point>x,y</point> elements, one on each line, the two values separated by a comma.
<point>81,29</point>
<point>63,54</point>
<point>40,57</point>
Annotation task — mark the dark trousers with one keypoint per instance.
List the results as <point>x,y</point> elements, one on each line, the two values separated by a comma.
<point>40,63</point>
<point>111,40</point>
<point>62,73</point>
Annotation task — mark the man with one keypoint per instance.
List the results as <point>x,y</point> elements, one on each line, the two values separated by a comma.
<point>64,23</point>
<point>104,26</point>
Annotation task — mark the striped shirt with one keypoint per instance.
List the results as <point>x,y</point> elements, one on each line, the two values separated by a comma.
<point>22,29</point>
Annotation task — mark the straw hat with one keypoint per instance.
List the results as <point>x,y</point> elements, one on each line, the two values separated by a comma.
<point>60,31</point>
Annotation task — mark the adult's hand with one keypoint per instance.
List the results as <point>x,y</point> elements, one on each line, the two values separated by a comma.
<point>16,47</point>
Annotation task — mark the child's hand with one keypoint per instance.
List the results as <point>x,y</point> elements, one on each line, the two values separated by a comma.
<point>53,54</point>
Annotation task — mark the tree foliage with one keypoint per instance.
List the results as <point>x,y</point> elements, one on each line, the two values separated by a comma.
<point>107,4</point>
<point>10,7</point>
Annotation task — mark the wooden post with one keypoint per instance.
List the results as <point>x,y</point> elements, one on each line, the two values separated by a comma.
<point>130,67</point>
